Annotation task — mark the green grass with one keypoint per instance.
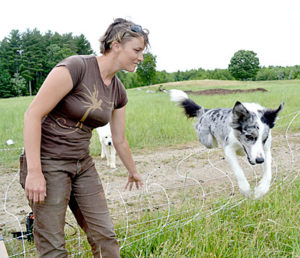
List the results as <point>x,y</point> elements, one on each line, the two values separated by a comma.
<point>11,127</point>
<point>252,229</point>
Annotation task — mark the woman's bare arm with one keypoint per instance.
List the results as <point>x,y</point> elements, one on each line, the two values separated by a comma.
<point>117,125</point>
<point>57,84</point>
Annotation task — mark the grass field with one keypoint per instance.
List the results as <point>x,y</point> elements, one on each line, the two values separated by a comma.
<point>247,228</point>
<point>152,116</point>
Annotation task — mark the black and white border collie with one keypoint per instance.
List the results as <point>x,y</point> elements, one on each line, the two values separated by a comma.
<point>243,129</point>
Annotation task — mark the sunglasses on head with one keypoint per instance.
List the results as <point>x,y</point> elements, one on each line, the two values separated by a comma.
<point>136,28</point>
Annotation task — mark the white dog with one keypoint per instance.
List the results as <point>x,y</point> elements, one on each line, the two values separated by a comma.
<point>243,129</point>
<point>107,149</point>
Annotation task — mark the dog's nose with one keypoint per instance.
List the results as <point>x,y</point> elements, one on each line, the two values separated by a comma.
<point>109,143</point>
<point>259,160</point>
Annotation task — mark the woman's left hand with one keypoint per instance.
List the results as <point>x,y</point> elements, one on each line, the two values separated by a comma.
<point>134,178</point>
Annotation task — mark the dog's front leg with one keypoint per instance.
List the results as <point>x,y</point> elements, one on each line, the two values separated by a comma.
<point>264,184</point>
<point>232,159</point>
<point>102,150</point>
<point>107,154</point>
<point>112,157</point>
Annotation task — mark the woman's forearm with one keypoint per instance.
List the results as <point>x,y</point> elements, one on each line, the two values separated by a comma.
<point>125,155</point>
<point>32,142</point>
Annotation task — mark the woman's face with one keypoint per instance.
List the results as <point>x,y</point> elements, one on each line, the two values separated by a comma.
<point>131,53</point>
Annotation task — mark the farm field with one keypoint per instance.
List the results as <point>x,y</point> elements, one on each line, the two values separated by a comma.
<point>190,205</point>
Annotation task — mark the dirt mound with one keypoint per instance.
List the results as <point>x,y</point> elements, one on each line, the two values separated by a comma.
<point>224,91</point>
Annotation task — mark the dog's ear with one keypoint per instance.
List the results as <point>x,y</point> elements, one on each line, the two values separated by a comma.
<point>269,116</point>
<point>239,114</point>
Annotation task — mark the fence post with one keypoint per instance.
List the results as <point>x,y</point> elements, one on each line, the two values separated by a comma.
<point>3,252</point>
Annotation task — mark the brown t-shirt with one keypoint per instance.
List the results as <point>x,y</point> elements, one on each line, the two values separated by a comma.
<point>67,129</point>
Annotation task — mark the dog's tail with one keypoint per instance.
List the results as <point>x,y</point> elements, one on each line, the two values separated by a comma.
<point>191,109</point>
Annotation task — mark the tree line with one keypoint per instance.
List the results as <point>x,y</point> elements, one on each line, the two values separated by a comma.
<point>244,65</point>
<point>27,57</point>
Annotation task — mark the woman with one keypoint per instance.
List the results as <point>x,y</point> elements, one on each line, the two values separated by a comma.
<point>79,94</point>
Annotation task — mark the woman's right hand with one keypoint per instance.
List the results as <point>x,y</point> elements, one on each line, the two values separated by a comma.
<point>35,187</point>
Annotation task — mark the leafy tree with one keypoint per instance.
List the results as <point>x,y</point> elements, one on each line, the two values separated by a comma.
<point>83,46</point>
<point>219,74</point>
<point>244,65</point>
<point>146,70</point>
<point>5,87</point>
<point>278,73</point>
<point>32,59</point>
<point>294,72</point>
<point>161,77</point>
<point>18,85</point>
<point>179,76</point>
<point>129,80</point>
<point>55,53</point>
<point>10,52</point>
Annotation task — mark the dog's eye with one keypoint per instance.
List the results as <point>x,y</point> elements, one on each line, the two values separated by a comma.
<point>250,137</point>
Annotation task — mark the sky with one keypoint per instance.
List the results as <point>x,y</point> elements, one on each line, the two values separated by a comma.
<point>184,34</point>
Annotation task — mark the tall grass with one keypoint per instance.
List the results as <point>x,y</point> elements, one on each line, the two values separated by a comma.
<point>265,228</point>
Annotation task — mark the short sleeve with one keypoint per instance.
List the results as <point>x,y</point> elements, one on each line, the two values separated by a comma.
<point>76,67</point>
<point>122,95</point>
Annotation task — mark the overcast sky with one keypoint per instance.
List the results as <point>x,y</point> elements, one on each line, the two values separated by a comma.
<point>184,34</point>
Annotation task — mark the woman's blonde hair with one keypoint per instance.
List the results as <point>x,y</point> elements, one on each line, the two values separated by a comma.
<point>122,30</point>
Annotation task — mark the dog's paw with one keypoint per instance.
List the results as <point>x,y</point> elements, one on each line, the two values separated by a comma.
<point>112,166</point>
<point>260,191</point>
<point>246,193</point>
<point>246,190</point>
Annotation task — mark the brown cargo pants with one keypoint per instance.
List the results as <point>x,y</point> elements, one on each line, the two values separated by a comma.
<point>75,183</point>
